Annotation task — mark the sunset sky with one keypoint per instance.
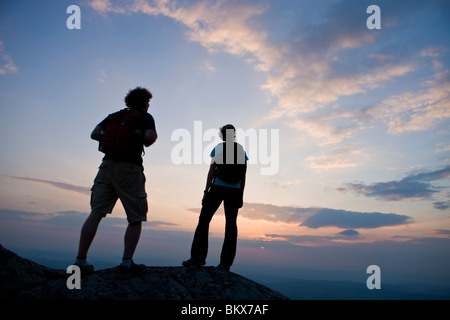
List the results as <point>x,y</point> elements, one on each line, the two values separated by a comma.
<point>353,123</point>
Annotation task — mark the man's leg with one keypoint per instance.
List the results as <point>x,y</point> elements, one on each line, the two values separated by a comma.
<point>131,239</point>
<point>103,199</point>
<point>87,235</point>
<point>129,183</point>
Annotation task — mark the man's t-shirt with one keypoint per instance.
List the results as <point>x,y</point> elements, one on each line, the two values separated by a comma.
<point>216,154</point>
<point>136,157</point>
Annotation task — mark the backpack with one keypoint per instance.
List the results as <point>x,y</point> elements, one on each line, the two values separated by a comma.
<point>123,133</point>
<point>235,171</point>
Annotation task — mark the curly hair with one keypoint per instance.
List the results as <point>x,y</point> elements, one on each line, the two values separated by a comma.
<point>138,98</point>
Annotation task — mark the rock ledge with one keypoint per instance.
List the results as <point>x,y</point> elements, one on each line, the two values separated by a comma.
<point>24,279</point>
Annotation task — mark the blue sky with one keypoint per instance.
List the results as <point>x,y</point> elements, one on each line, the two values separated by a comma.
<point>362,115</point>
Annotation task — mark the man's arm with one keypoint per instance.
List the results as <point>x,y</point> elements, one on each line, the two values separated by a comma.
<point>241,203</point>
<point>97,133</point>
<point>150,137</point>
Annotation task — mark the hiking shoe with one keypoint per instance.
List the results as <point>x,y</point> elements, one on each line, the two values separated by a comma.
<point>85,268</point>
<point>223,267</point>
<point>134,269</point>
<point>194,262</point>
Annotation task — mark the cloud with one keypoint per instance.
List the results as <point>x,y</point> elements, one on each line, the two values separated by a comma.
<point>393,190</point>
<point>419,110</point>
<point>300,74</point>
<point>339,59</point>
<point>319,66</point>
<point>442,149</point>
<point>310,240</point>
<point>155,224</point>
<point>346,234</point>
<point>60,231</point>
<point>56,184</point>
<point>322,60</point>
<point>441,205</point>
<point>103,76</point>
<point>271,213</point>
<point>442,232</point>
<point>6,62</point>
<point>305,240</point>
<point>217,26</point>
<point>354,220</point>
<point>315,217</point>
<point>320,69</point>
<point>275,182</point>
<point>415,186</point>
<point>209,67</point>
<point>341,158</point>
<point>349,233</point>
<point>309,86</point>
<point>72,218</point>
<point>105,6</point>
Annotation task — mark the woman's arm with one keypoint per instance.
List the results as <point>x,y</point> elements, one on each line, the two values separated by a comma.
<point>211,175</point>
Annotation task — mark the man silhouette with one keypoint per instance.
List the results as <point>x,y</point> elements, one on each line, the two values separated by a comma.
<point>121,176</point>
<point>225,182</point>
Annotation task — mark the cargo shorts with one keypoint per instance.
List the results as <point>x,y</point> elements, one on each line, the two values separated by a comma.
<point>124,181</point>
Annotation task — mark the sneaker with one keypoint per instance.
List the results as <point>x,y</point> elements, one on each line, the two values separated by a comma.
<point>223,267</point>
<point>194,262</point>
<point>85,268</point>
<point>134,269</point>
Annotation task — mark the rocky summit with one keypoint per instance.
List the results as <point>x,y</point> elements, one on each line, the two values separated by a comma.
<point>24,279</point>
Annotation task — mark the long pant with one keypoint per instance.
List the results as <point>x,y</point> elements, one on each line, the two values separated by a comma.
<point>231,198</point>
